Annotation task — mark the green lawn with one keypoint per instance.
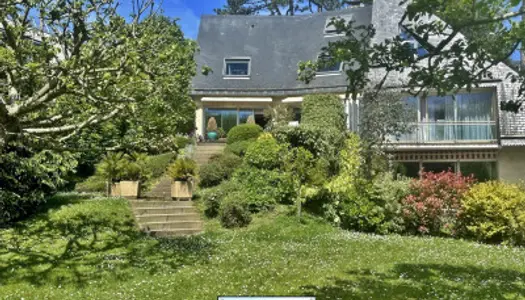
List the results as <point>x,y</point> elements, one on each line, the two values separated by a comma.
<point>56,256</point>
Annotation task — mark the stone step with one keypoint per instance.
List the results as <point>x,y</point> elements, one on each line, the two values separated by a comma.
<point>168,217</point>
<point>174,232</point>
<point>139,211</point>
<point>171,225</point>
<point>159,203</point>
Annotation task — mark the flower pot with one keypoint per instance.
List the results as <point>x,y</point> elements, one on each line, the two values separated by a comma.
<point>212,135</point>
<point>129,189</point>
<point>182,189</point>
<point>115,189</point>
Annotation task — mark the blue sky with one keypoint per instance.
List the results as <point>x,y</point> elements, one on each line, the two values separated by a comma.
<point>188,11</point>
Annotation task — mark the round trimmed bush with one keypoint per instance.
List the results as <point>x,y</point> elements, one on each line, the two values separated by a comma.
<point>323,111</point>
<point>233,212</point>
<point>244,132</point>
<point>494,212</point>
<point>213,197</point>
<point>265,153</point>
<point>220,168</point>
<point>239,148</point>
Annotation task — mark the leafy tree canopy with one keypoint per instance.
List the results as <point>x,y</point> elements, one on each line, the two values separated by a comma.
<point>463,39</point>
<point>75,74</point>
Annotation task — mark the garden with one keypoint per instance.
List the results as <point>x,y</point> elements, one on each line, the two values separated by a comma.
<point>318,168</point>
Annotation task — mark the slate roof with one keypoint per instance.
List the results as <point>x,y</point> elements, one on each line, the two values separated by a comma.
<point>276,44</point>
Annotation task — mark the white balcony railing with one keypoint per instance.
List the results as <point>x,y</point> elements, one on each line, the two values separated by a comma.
<point>436,132</point>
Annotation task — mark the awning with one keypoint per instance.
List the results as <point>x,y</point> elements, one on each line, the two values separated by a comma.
<point>236,99</point>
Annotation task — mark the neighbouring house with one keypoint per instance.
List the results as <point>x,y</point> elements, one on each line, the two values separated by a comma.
<point>254,64</point>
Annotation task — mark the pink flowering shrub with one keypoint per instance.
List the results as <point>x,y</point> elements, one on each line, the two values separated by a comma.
<point>433,205</point>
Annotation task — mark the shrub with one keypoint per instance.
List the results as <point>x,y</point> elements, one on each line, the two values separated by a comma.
<point>433,205</point>
<point>278,115</point>
<point>234,212</point>
<point>388,193</point>
<point>239,148</point>
<point>221,132</point>
<point>324,112</point>
<point>135,168</point>
<point>27,178</point>
<point>158,164</point>
<point>218,169</point>
<point>494,212</point>
<point>264,188</point>
<point>244,132</point>
<point>320,142</point>
<point>213,197</point>
<point>92,184</point>
<point>183,169</point>
<point>265,153</point>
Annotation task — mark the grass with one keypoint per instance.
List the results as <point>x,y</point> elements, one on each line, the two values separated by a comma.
<point>56,255</point>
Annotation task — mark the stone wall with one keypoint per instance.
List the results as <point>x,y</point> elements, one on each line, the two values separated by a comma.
<point>511,164</point>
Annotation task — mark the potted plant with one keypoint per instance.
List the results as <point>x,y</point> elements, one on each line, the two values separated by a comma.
<point>212,129</point>
<point>110,168</point>
<point>222,134</point>
<point>134,173</point>
<point>182,171</point>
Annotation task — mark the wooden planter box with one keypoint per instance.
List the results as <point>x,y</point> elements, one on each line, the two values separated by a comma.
<point>115,189</point>
<point>182,189</point>
<point>129,189</point>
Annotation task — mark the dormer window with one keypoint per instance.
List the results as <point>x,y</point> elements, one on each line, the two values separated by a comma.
<point>330,29</point>
<point>326,65</point>
<point>412,42</point>
<point>237,67</point>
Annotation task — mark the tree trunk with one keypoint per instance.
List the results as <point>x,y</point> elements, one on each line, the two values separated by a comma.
<point>522,50</point>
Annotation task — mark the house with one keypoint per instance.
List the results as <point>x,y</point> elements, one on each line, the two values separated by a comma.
<point>254,65</point>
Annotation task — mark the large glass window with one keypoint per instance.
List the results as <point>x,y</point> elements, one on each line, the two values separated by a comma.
<point>438,167</point>
<point>452,118</point>
<point>482,170</point>
<point>226,118</point>
<point>476,111</point>
<point>230,117</point>
<point>408,169</point>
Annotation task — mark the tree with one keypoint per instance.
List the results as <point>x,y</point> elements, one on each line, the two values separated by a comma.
<point>84,65</point>
<point>76,76</point>
<point>462,58</point>
<point>284,7</point>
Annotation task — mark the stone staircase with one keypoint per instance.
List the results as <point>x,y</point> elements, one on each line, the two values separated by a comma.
<point>204,151</point>
<point>161,190</point>
<point>167,218</point>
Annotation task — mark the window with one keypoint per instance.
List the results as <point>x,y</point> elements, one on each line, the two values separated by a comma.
<point>481,170</point>
<point>237,67</point>
<point>229,117</point>
<point>330,29</point>
<point>408,169</point>
<point>462,117</point>
<point>327,65</point>
<point>412,42</point>
<point>438,167</point>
